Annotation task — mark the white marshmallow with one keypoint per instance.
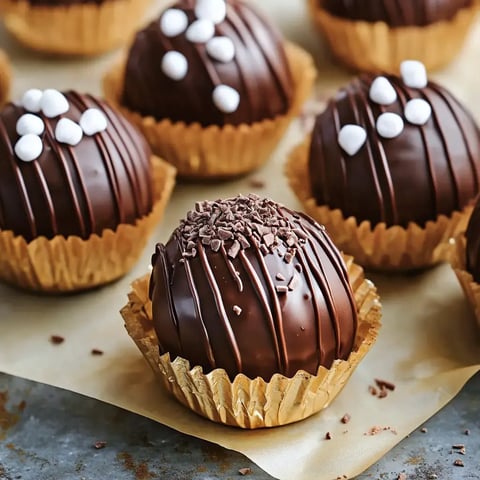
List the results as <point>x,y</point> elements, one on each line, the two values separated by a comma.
<point>200,31</point>
<point>93,121</point>
<point>351,138</point>
<point>174,65</point>
<point>213,10</point>
<point>68,132</point>
<point>414,74</point>
<point>29,147</point>
<point>226,98</point>
<point>382,91</point>
<point>418,111</point>
<point>30,123</point>
<point>54,103</point>
<point>173,22</point>
<point>221,49</point>
<point>389,125</point>
<point>31,100</point>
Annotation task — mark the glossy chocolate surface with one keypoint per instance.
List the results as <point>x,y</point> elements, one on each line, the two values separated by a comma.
<point>249,286</point>
<point>425,171</point>
<point>396,13</point>
<point>103,181</point>
<point>259,71</point>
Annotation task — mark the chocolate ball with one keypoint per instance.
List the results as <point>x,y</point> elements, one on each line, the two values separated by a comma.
<point>395,150</point>
<point>247,285</point>
<point>396,13</point>
<point>192,65</point>
<point>70,165</point>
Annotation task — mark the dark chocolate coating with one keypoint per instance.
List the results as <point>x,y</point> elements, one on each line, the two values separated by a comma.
<point>259,72</point>
<point>297,312</point>
<point>425,171</point>
<point>473,243</point>
<point>100,183</point>
<point>396,13</point>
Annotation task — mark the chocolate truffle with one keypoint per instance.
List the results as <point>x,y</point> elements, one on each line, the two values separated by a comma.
<point>70,165</point>
<point>395,150</point>
<point>394,12</point>
<point>249,286</point>
<point>211,62</point>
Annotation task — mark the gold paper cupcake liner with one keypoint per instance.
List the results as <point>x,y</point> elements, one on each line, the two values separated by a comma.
<point>77,29</point>
<point>383,248</point>
<point>68,264</point>
<point>5,78</point>
<point>377,47</point>
<point>217,152</point>
<point>253,403</point>
<point>469,286</point>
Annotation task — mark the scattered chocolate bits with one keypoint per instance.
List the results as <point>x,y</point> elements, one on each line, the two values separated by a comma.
<point>96,351</point>
<point>458,463</point>
<point>346,418</point>
<point>466,432</point>
<point>375,430</point>
<point>280,277</point>
<point>245,471</point>
<point>460,448</point>
<point>99,445</point>
<point>383,388</point>
<point>56,339</point>
<point>424,430</point>
<point>372,390</point>
<point>383,384</point>
<point>328,436</point>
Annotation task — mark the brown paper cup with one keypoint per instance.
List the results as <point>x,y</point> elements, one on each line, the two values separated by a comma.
<point>376,47</point>
<point>77,29</point>
<point>69,264</point>
<point>469,286</point>
<point>5,78</point>
<point>245,402</point>
<point>383,248</point>
<point>217,152</point>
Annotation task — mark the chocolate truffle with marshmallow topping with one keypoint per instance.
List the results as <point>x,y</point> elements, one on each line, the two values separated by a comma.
<point>247,285</point>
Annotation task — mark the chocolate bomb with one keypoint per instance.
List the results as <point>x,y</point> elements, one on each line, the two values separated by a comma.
<point>172,76</point>
<point>248,285</point>
<point>431,166</point>
<point>101,182</point>
<point>396,13</point>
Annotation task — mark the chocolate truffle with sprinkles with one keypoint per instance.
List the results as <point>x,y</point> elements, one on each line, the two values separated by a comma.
<point>249,286</point>
<point>77,181</point>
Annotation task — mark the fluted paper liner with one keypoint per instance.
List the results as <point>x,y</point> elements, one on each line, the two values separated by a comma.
<point>4,78</point>
<point>253,403</point>
<point>470,287</point>
<point>67,264</point>
<point>383,248</point>
<point>213,151</point>
<point>77,29</point>
<point>377,47</point>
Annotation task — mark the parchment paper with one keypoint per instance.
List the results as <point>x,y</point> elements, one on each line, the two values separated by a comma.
<point>429,345</point>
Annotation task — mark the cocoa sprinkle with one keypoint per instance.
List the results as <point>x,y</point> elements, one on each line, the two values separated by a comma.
<point>245,471</point>
<point>56,339</point>
<point>99,445</point>
<point>96,351</point>
<point>458,463</point>
<point>346,418</point>
<point>378,429</point>
<point>328,436</point>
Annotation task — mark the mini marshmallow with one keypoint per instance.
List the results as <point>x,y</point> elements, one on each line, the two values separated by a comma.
<point>414,74</point>
<point>173,22</point>
<point>30,123</point>
<point>31,100</point>
<point>382,91</point>
<point>174,65</point>
<point>29,147</point>
<point>221,49</point>
<point>200,31</point>
<point>93,121</point>
<point>213,10</point>
<point>389,125</point>
<point>418,111</point>
<point>226,98</point>
<point>68,132</point>
<point>53,103</point>
<point>351,138</point>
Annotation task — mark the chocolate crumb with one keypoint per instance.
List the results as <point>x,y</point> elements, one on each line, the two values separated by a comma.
<point>346,418</point>
<point>99,445</point>
<point>467,432</point>
<point>237,310</point>
<point>328,436</point>
<point>281,289</point>
<point>432,476</point>
<point>458,463</point>
<point>402,476</point>
<point>424,430</point>
<point>382,384</point>
<point>280,277</point>
<point>56,339</point>
<point>383,393</point>
<point>372,390</point>
<point>257,183</point>
<point>245,471</point>
<point>96,351</point>
<point>458,446</point>
<point>378,429</point>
